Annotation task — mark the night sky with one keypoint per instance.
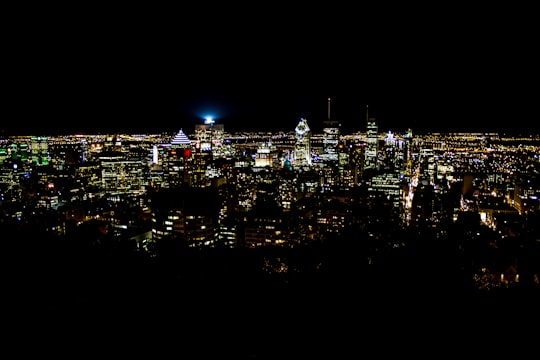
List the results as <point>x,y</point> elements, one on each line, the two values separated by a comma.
<point>126,70</point>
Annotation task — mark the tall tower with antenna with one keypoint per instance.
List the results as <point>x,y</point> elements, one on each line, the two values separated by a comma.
<point>331,133</point>
<point>330,154</point>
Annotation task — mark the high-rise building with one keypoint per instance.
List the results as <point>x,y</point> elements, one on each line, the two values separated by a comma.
<point>40,150</point>
<point>302,147</point>
<point>179,161</point>
<point>330,153</point>
<point>266,152</point>
<point>372,134</point>
<point>209,136</point>
<point>331,134</point>
<point>391,186</point>
<point>119,174</point>
<point>186,216</point>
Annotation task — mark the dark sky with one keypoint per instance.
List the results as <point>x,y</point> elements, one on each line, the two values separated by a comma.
<point>135,70</point>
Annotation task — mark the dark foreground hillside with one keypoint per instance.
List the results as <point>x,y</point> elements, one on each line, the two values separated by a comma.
<point>317,302</point>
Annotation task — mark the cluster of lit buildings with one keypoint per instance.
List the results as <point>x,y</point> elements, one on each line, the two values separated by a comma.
<point>210,188</point>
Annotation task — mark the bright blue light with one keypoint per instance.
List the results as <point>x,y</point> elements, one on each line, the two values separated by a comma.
<point>209,120</point>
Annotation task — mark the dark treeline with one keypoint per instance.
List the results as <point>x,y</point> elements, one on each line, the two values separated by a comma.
<point>322,298</point>
<point>85,266</point>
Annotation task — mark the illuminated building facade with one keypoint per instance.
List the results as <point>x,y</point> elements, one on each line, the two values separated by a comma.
<point>372,134</point>
<point>331,137</point>
<point>391,186</point>
<point>179,161</point>
<point>302,147</point>
<point>331,217</point>
<point>210,137</point>
<point>187,217</point>
<point>120,175</point>
<point>201,162</point>
<point>265,155</point>
<point>39,148</point>
<point>265,228</point>
<point>527,195</point>
<point>330,154</point>
<point>209,141</point>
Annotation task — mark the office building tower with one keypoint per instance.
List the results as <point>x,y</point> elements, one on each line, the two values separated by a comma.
<point>302,147</point>
<point>210,136</point>
<point>120,175</point>
<point>527,193</point>
<point>351,165</point>
<point>185,217</point>
<point>331,134</point>
<point>372,134</point>
<point>330,153</point>
<point>179,161</point>
<point>265,155</point>
<point>391,186</point>
<point>40,150</point>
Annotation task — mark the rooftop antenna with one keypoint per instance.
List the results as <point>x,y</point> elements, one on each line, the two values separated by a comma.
<point>367,111</point>
<point>328,108</point>
<point>329,122</point>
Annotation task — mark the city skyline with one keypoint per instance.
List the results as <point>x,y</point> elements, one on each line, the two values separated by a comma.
<point>103,234</point>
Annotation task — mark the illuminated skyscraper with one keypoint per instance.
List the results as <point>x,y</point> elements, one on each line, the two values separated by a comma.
<point>210,136</point>
<point>372,134</point>
<point>330,155</point>
<point>331,135</point>
<point>179,161</point>
<point>40,150</point>
<point>302,147</point>
<point>208,144</point>
<point>265,155</point>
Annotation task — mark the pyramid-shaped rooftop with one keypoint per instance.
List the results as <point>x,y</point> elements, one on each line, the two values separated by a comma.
<point>181,139</point>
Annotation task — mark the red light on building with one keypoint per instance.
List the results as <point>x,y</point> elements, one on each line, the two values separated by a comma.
<point>187,152</point>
